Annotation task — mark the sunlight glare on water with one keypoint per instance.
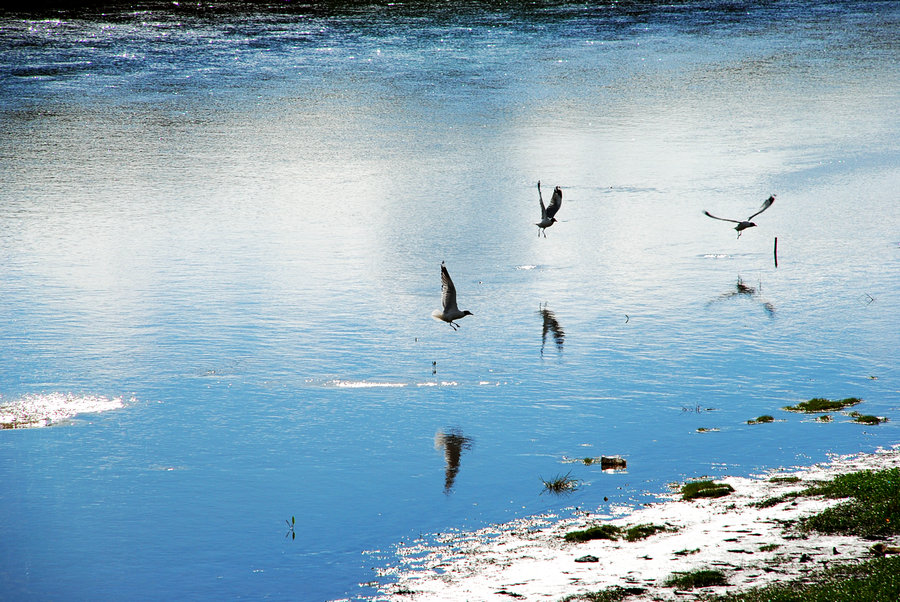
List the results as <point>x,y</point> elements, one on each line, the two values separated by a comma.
<point>234,219</point>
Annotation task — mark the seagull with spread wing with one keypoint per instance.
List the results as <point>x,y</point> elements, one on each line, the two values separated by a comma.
<point>449,310</point>
<point>548,212</point>
<point>743,225</point>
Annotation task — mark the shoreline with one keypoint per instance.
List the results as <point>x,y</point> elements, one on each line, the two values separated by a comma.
<point>528,559</point>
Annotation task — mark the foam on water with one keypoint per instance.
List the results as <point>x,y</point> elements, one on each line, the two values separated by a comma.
<point>45,409</point>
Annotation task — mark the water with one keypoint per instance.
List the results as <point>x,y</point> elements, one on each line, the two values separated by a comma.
<point>231,223</point>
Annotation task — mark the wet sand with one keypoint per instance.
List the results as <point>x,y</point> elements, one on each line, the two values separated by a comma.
<point>529,559</point>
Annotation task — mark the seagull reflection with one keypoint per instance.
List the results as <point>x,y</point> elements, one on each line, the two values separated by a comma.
<point>742,290</point>
<point>551,325</point>
<point>452,443</point>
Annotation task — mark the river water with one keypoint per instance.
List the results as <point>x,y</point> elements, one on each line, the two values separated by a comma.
<point>221,232</point>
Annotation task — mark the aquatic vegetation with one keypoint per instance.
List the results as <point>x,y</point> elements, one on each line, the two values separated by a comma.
<point>825,418</point>
<point>820,404</point>
<point>866,418</point>
<point>291,533</point>
<point>561,484</point>
<point>687,552</point>
<point>761,419</point>
<point>769,547</point>
<point>598,532</point>
<point>698,578</point>
<point>698,489</point>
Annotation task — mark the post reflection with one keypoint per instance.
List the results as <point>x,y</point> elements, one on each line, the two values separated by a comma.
<point>551,326</point>
<point>453,443</point>
<point>742,290</point>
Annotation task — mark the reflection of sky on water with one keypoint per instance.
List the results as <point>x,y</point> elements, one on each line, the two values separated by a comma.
<point>245,222</point>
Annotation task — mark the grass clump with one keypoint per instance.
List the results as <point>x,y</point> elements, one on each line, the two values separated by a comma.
<point>610,594</point>
<point>820,404</point>
<point>697,489</point>
<point>873,509</point>
<point>761,419</point>
<point>877,579</point>
<point>633,533</point>
<point>561,484</point>
<point>789,479</point>
<point>698,578</point>
<point>644,531</point>
<point>599,532</point>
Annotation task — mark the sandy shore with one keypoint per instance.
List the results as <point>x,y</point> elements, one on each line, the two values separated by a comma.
<point>529,560</point>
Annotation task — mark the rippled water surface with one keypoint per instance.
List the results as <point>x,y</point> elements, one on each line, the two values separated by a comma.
<point>220,238</point>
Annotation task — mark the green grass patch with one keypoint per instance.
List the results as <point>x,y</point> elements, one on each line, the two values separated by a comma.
<point>599,532</point>
<point>866,418</point>
<point>698,489</point>
<point>644,531</point>
<point>686,552</point>
<point>761,419</point>
<point>633,533</point>
<point>873,509</point>
<point>877,579</point>
<point>769,547</point>
<point>698,578</point>
<point>611,594</point>
<point>784,480</point>
<point>820,404</point>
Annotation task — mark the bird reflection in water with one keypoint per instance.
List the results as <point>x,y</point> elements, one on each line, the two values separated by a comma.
<point>453,443</point>
<point>551,326</point>
<point>745,291</point>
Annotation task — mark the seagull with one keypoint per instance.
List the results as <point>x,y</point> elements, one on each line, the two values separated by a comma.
<point>449,310</point>
<point>743,225</point>
<point>550,210</point>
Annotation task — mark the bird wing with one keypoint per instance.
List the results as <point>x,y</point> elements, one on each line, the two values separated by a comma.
<point>555,202</point>
<point>766,204</point>
<point>724,219</point>
<point>541,200</point>
<point>448,291</point>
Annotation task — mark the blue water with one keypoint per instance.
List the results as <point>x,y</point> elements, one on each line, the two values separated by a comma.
<point>234,219</point>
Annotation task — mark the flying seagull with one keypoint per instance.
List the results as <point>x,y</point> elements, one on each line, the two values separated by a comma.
<point>743,225</point>
<point>449,310</point>
<point>550,210</point>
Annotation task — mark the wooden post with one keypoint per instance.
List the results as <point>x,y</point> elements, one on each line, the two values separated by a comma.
<point>775,251</point>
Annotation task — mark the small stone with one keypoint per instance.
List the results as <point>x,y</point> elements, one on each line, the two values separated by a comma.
<point>588,558</point>
<point>612,462</point>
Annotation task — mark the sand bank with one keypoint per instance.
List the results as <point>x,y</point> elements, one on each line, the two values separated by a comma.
<point>529,560</point>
